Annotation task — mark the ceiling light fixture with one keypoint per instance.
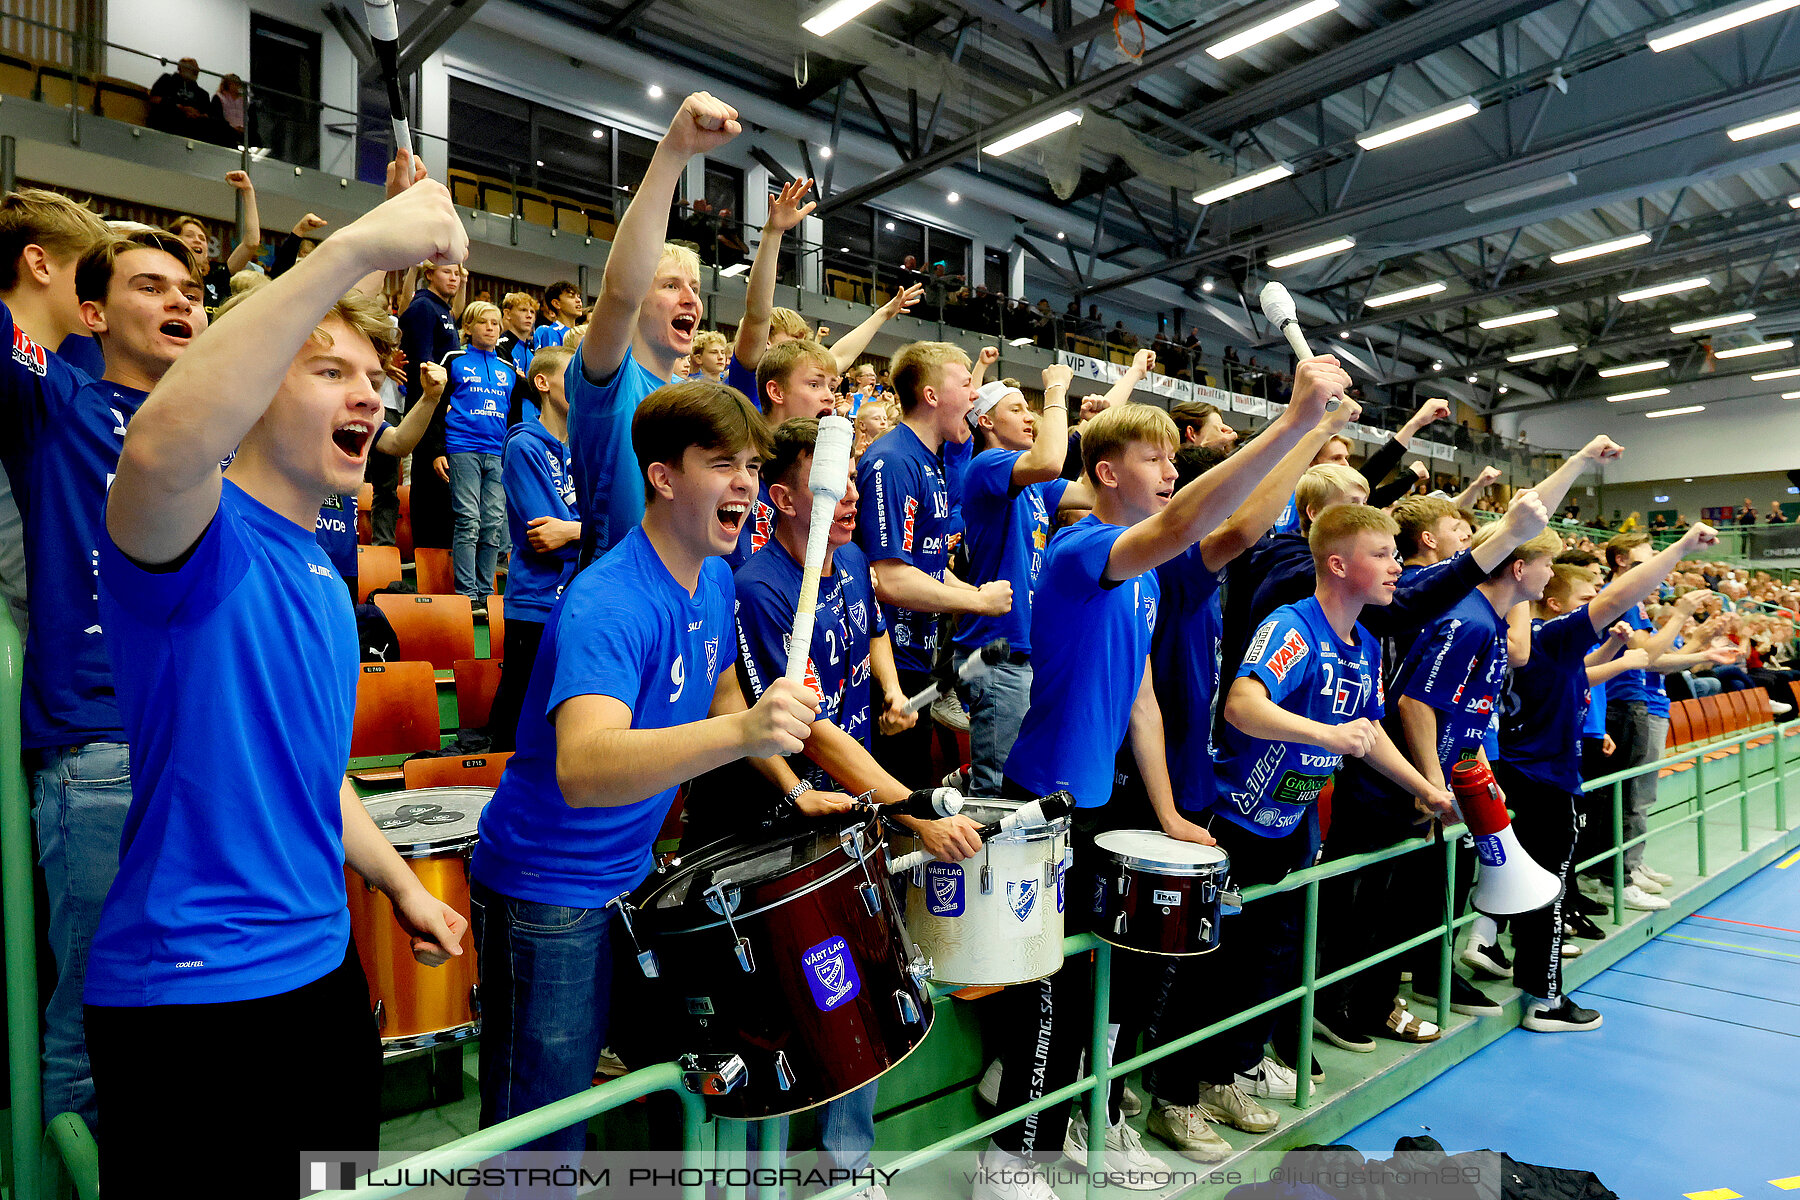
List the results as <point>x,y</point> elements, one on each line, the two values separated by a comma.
<point>1335,246</point>
<point>1788,373</point>
<point>953,197</point>
<point>1794,201</point>
<point>734,270</point>
<point>654,91</point>
<point>1664,289</point>
<point>1525,191</point>
<point>1536,314</point>
<point>824,152</point>
<point>1207,284</point>
<point>1634,368</point>
<point>1693,31</point>
<point>1437,118</point>
<point>1759,348</point>
<point>1545,352</point>
<point>1243,183</point>
<point>1780,121</point>
<point>1676,412</point>
<point>834,15</point>
<point>1628,242</point>
<point>1405,294</point>
<point>1712,322</point>
<point>1643,395</point>
<point>1022,341</point>
<point>1276,25</point>
<point>1031,133</point>
<point>599,133</point>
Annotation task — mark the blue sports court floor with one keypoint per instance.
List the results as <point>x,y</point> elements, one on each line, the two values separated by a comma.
<point>1691,1088</point>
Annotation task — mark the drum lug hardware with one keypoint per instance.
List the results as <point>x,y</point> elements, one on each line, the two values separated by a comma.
<point>909,1008</point>
<point>1124,885</point>
<point>1119,925</point>
<point>784,1074</point>
<point>918,876</point>
<point>646,958</point>
<point>987,879</point>
<point>475,1000</point>
<point>852,842</point>
<point>711,1074</point>
<point>380,1015</point>
<point>1206,929</point>
<point>746,960</point>
<point>919,968</point>
<point>1049,873</point>
<point>1231,897</point>
<point>870,897</point>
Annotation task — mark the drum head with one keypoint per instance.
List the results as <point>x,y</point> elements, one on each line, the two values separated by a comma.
<point>427,821</point>
<point>746,867</point>
<point>1153,850</point>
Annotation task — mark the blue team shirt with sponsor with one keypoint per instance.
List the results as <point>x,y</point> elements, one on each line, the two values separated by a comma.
<point>1457,665</point>
<point>1645,686</point>
<point>758,528</point>
<point>231,866</point>
<point>609,489</point>
<point>1289,520</point>
<point>1544,706</point>
<point>904,514</point>
<point>61,433</point>
<point>1184,667</point>
<point>1091,638</point>
<point>476,396</point>
<point>837,665</point>
<point>539,483</point>
<point>1007,532</point>
<point>549,335</point>
<point>625,629</point>
<point>1268,787</point>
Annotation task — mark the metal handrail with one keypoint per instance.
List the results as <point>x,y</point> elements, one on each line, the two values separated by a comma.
<point>17,863</point>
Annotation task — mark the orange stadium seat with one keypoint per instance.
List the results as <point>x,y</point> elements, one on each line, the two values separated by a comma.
<point>396,709</point>
<point>477,679</point>
<point>477,770</point>
<point>432,571</point>
<point>376,566</point>
<point>434,629</point>
<point>496,627</point>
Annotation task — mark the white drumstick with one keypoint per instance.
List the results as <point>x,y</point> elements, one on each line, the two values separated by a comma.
<point>1278,307</point>
<point>383,17</point>
<point>828,482</point>
<point>1034,815</point>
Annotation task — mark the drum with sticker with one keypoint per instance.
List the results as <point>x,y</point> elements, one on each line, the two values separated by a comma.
<point>996,918</point>
<point>789,953</point>
<point>1158,894</point>
<point>434,829</point>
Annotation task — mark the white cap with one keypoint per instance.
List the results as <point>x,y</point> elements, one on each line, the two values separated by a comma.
<point>986,396</point>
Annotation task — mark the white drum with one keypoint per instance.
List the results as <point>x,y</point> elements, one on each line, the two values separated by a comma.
<point>996,918</point>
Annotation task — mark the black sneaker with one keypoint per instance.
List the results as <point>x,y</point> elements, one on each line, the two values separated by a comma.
<point>478,606</point>
<point>1566,1017</point>
<point>1335,1028</point>
<point>1581,926</point>
<point>1465,997</point>
<point>1577,901</point>
<point>1488,961</point>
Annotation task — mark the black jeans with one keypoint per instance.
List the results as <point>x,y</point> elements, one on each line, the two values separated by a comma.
<point>519,653</point>
<point>1547,821</point>
<point>245,1087</point>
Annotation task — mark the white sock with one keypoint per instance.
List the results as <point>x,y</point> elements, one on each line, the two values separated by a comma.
<point>1485,930</point>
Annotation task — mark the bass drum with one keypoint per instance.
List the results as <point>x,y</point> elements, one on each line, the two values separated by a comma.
<point>1158,894</point>
<point>789,953</point>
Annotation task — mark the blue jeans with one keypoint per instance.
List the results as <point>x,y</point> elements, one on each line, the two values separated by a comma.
<point>1704,685</point>
<point>846,1133</point>
<point>80,795</point>
<point>478,503</point>
<point>997,703</point>
<point>546,1001</point>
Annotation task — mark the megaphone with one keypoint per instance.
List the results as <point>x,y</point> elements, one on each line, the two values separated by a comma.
<point>1509,882</point>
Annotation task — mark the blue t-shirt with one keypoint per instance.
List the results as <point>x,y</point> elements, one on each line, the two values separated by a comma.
<point>535,472</point>
<point>1184,667</point>
<point>549,335</point>
<point>518,353</point>
<point>626,629</point>
<point>337,524</point>
<point>1091,638</point>
<point>84,354</point>
<point>837,664</point>
<point>231,866</point>
<point>609,488</point>
<point>742,378</point>
<point>1270,788</point>
<point>757,528</point>
<point>1644,685</point>
<point>1543,709</point>
<point>61,434</point>
<point>1458,667</point>
<point>476,394</point>
<point>1007,531</point>
<point>904,514</point>
<point>1595,725</point>
<point>1289,520</point>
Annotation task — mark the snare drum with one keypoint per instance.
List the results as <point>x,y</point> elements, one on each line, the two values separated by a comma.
<point>789,953</point>
<point>415,1005</point>
<point>1158,894</point>
<point>996,918</point>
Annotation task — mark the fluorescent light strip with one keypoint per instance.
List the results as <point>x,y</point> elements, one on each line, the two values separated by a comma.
<point>1665,289</point>
<point>1712,322</point>
<point>1790,395</point>
<point>834,15</point>
<point>1536,314</point>
<point>1759,348</point>
<point>735,269</point>
<point>1276,25</point>
<point>1693,31</point>
<point>1437,118</point>
<point>1794,201</point>
<point>1643,395</point>
<point>1243,183</point>
<point>1628,242</point>
<point>1032,133</point>
<point>1021,341</point>
<point>1633,369</point>
<point>1525,191</point>
<point>1337,246</point>
<point>1405,294</point>
<point>1786,120</point>
<point>1789,373</point>
<point>1547,352</point>
<point>1676,412</point>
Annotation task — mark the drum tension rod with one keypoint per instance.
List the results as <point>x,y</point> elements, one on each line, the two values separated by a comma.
<point>850,840</point>
<point>909,1008</point>
<point>646,958</point>
<point>742,944</point>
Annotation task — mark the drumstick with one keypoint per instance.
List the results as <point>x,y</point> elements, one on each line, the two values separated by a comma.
<point>829,480</point>
<point>1278,306</point>
<point>383,17</point>
<point>1035,815</point>
<point>972,669</point>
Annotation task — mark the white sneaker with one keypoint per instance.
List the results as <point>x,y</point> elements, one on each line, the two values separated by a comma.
<point>1228,1105</point>
<point>1183,1127</point>
<point>1780,708</point>
<point>1636,897</point>
<point>1001,1176</point>
<point>1662,877</point>
<point>989,1087</point>
<point>1589,884</point>
<point>949,712</point>
<point>1269,1079</point>
<point>1571,950</point>
<point>1128,1164</point>
<point>610,1065</point>
<point>1645,884</point>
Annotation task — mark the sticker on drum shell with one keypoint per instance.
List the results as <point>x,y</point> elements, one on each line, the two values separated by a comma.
<point>1167,899</point>
<point>1021,897</point>
<point>831,974</point>
<point>1062,875</point>
<point>944,889</point>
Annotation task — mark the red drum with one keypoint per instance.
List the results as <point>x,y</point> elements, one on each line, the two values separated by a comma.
<point>1157,894</point>
<point>789,953</point>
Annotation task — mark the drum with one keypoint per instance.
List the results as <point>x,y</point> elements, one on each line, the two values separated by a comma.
<point>415,1005</point>
<point>789,953</point>
<point>1157,894</point>
<point>996,918</point>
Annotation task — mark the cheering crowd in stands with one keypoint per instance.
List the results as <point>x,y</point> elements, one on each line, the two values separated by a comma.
<point>1203,634</point>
